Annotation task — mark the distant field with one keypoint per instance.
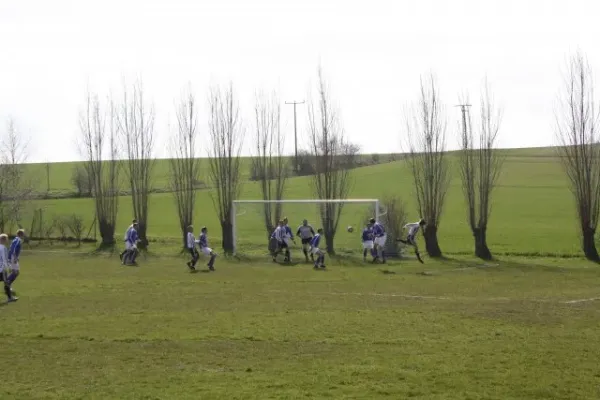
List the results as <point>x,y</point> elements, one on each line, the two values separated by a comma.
<point>533,212</point>
<point>86,327</point>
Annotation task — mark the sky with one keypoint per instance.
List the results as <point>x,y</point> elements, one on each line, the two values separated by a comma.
<point>372,53</point>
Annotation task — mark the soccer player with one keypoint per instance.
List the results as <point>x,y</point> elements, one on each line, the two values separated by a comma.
<point>13,257</point>
<point>4,268</point>
<point>288,236</point>
<point>305,233</point>
<point>314,249</point>
<point>131,245</point>
<point>413,229</point>
<point>191,246</point>
<point>130,227</point>
<point>279,234</point>
<point>379,240</point>
<point>367,241</point>
<point>207,251</point>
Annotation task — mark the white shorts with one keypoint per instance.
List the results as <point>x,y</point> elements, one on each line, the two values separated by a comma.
<point>368,244</point>
<point>315,250</point>
<point>128,246</point>
<point>14,266</point>
<point>380,241</point>
<point>287,241</point>
<point>206,251</point>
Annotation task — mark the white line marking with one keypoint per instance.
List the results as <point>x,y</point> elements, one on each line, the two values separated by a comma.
<point>581,300</point>
<point>406,296</point>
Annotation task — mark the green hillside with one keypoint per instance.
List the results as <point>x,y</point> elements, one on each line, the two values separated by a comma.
<point>532,212</point>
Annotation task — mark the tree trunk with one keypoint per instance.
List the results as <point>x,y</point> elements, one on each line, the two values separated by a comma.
<point>329,239</point>
<point>142,235</point>
<point>431,241</point>
<point>227,237</point>
<point>589,246</point>
<point>481,248</point>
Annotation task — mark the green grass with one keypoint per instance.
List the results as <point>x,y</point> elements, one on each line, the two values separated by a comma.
<point>533,211</point>
<point>86,327</point>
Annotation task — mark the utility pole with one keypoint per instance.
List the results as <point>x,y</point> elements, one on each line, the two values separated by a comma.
<point>464,108</point>
<point>295,103</point>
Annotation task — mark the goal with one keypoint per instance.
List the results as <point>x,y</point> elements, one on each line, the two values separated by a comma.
<point>248,220</point>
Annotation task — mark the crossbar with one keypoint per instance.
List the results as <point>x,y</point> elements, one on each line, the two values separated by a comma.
<point>306,201</point>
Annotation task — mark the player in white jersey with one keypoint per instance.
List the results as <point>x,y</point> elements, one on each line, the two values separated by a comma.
<point>4,265</point>
<point>412,230</point>
<point>279,235</point>
<point>305,233</point>
<point>191,247</point>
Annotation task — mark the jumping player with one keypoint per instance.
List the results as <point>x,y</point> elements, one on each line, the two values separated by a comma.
<point>379,240</point>
<point>207,251</point>
<point>130,227</point>
<point>367,241</point>
<point>305,233</point>
<point>413,229</point>
<point>4,268</point>
<point>191,246</point>
<point>314,249</point>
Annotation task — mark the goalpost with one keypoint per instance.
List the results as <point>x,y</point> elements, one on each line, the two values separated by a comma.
<point>237,203</point>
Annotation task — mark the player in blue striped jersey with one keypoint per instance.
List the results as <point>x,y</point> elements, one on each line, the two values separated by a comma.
<point>315,250</point>
<point>131,242</point>
<point>289,237</point>
<point>367,241</point>
<point>207,251</point>
<point>380,238</point>
<point>130,227</point>
<point>14,252</point>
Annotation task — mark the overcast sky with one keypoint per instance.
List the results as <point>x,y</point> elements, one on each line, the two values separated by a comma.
<point>372,53</point>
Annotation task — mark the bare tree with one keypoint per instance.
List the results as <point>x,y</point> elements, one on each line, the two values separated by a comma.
<point>330,151</point>
<point>227,136</point>
<point>480,165</point>
<point>99,147</point>
<point>15,186</point>
<point>185,165</point>
<point>268,163</point>
<point>426,128</point>
<point>75,224</point>
<point>577,115</point>
<point>136,125</point>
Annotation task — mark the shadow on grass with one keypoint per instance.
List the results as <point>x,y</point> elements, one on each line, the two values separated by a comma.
<point>499,264</point>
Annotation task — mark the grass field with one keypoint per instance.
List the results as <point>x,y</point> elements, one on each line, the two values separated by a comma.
<point>525,326</point>
<point>86,327</point>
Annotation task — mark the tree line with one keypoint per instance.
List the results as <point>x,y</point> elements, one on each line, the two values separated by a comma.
<point>117,136</point>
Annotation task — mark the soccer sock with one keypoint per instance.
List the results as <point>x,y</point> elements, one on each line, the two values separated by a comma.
<point>7,291</point>
<point>383,254</point>
<point>211,263</point>
<point>305,253</point>
<point>12,277</point>
<point>365,253</point>
<point>287,254</point>
<point>323,259</point>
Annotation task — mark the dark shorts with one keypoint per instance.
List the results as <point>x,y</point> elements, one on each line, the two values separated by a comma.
<point>306,241</point>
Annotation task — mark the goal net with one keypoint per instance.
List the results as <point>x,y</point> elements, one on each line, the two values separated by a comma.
<point>250,230</point>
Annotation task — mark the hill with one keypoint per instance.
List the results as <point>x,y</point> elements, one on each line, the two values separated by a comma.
<point>532,212</point>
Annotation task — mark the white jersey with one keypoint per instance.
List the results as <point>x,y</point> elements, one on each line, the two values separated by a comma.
<point>280,233</point>
<point>413,229</point>
<point>191,240</point>
<point>305,232</point>
<point>3,257</point>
